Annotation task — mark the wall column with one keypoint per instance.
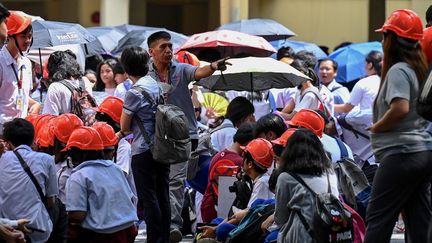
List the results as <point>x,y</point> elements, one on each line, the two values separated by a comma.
<point>114,12</point>
<point>233,10</point>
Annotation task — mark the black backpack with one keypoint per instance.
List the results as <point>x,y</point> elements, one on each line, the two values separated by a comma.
<point>249,229</point>
<point>424,100</point>
<point>331,221</point>
<point>243,190</point>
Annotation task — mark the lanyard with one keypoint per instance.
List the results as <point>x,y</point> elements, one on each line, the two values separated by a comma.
<point>18,79</point>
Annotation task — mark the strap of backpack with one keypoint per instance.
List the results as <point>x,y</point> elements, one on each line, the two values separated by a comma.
<point>335,88</point>
<point>136,118</point>
<point>301,181</point>
<point>342,121</point>
<point>68,85</point>
<point>30,174</point>
<point>306,224</point>
<point>342,148</point>
<point>318,95</point>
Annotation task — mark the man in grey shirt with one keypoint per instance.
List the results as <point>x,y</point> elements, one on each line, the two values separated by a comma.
<point>174,78</point>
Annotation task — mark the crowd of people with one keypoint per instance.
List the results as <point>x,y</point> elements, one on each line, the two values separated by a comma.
<point>76,163</point>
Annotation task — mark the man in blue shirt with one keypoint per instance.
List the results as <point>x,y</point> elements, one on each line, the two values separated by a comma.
<point>174,78</point>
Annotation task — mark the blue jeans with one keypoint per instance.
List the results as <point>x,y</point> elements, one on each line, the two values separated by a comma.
<point>152,185</point>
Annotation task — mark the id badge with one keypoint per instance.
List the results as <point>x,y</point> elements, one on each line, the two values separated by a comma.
<point>19,102</point>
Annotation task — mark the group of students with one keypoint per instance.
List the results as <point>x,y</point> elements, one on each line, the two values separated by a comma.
<point>65,178</point>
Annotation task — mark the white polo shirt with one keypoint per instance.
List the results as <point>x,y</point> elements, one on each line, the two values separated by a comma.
<point>365,91</point>
<point>338,90</point>
<point>58,97</point>
<point>9,85</point>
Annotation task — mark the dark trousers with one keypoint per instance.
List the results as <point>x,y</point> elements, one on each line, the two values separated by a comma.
<point>152,185</point>
<point>401,184</point>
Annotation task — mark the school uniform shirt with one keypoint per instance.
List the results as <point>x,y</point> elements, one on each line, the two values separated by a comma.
<point>63,175</point>
<point>223,138</point>
<point>136,104</point>
<point>99,188</point>
<point>19,198</point>
<point>306,100</point>
<point>328,98</point>
<point>122,88</point>
<point>260,189</point>
<point>340,93</point>
<point>123,160</point>
<point>58,97</point>
<point>332,147</point>
<point>9,91</point>
<point>364,92</point>
<point>283,96</point>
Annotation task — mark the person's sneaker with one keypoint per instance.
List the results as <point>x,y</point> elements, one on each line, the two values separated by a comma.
<point>175,236</point>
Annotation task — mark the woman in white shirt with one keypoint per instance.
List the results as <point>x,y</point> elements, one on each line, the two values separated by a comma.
<point>105,77</point>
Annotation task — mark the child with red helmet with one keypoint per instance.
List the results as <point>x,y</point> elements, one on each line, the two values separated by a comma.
<point>99,199</point>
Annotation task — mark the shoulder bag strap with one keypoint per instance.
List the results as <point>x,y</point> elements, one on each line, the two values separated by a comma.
<point>30,174</point>
<point>298,212</point>
<point>343,122</point>
<point>342,148</point>
<point>318,95</point>
<point>138,120</point>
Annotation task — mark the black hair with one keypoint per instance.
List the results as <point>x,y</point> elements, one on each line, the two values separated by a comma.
<point>19,132</point>
<point>100,85</point>
<point>118,69</point>
<point>270,123</point>
<point>278,149</point>
<point>247,158</point>
<point>245,133</point>
<point>4,13</point>
<point>238,109</point>
<point>135,61</point>
<point>62,65</point>
<point>78,155</point>
<point>323,115</point>
<point>100,116</point>
<point>285,51</point>
<point>304,154</point>
<point>89,71</point>
<point>375,57</point>
<point>325,49</point>
<point>92,62</point>
<point>334,63</point>
<point>157,36</point>
<point>303,67</point>
<point>307,57</point>
<point>429,15</point>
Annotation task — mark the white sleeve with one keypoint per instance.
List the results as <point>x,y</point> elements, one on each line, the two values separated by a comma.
<point>260,190</point>
<point>52,100</point>
<point>356,95</point>
<point>124,156</point>
<point>88,85</point>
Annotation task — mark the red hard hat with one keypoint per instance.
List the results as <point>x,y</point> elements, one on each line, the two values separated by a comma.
<point>84,138</point>
<point>45,136</point>
<point>32,118</point>
<point>64,125</point>
<point>308,119</point>
<point>283,139</point>
<point>112,106</point>
<point>426,44</point>
<point>261,151</point>
<point>187,57</point>
<point>40,121</point>
<point>17,23</point>
<point>405,23</point>
<point>106,132</point>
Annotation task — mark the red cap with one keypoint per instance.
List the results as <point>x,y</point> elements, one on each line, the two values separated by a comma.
<point>405,23</point>
<point>17,23</point>
<point>64,125</point>
<point>308,119</point>
<point>261,151</point>
<point>283,139</point>
<point>106,132</point>
<point>187,57</point>
<point>112,106</point>
<point>84,138</point>
<point>426,44</point>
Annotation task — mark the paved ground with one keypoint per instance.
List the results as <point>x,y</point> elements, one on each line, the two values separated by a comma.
<point>396,238</point>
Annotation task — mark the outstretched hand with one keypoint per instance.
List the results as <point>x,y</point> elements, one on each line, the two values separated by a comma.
<point>221,64</point>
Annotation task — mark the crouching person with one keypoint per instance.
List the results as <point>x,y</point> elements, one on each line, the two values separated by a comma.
<point>98,197</point>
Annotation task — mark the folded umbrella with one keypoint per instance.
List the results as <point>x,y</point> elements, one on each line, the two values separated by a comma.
<point>254,74</point>
<point>266,28</point>
<point>229,44</point>
<point>351,60</point>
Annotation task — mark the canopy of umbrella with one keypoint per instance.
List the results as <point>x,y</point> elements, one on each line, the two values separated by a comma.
<point>266,28</point>
<point>254,74</point>
<point>228,43</point>
<point>351,60</point>
<point>106,40</point>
